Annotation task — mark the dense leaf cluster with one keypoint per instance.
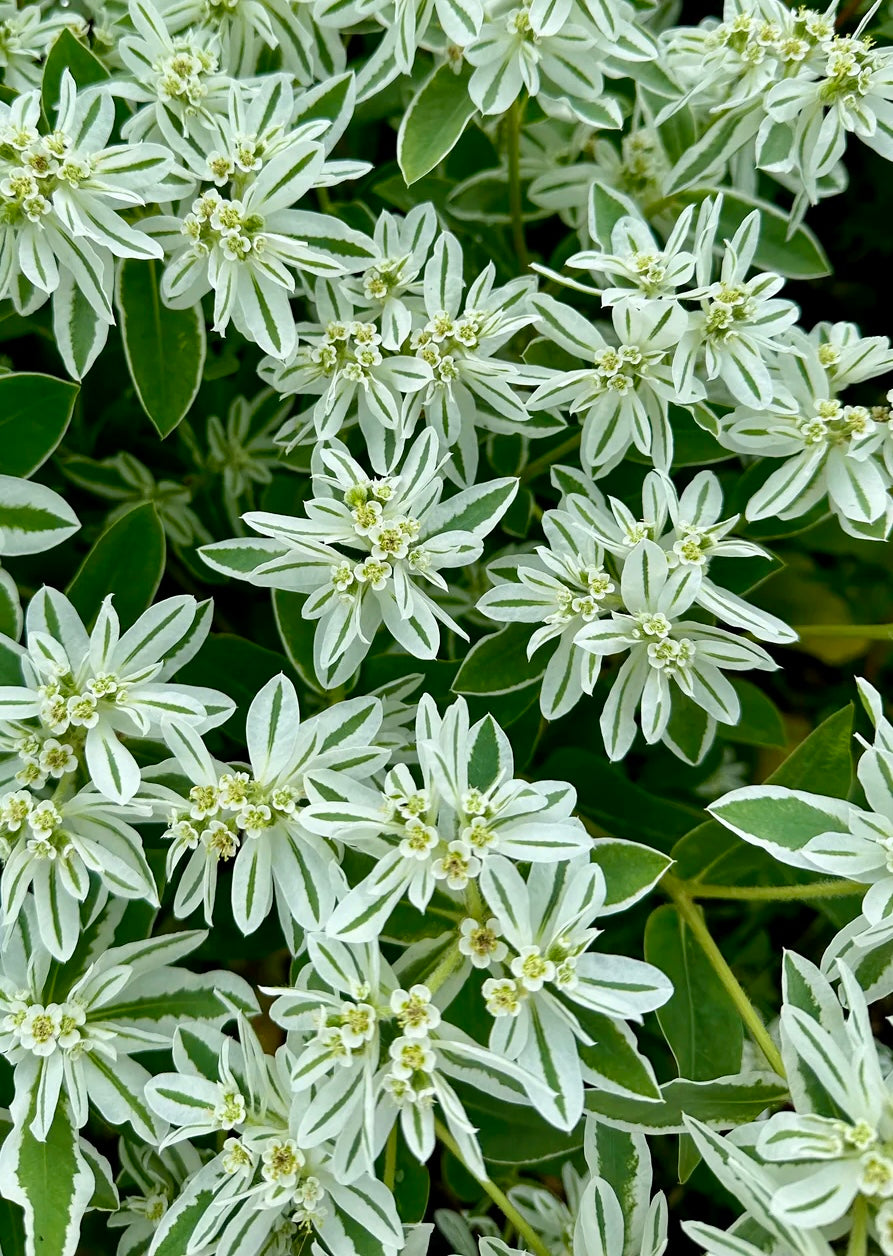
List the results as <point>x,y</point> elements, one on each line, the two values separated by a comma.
<point>445,488</point>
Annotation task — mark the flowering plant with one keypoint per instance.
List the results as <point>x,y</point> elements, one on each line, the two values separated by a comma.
<point>446,482</point>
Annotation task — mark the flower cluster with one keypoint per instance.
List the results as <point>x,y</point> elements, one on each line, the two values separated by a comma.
<point>609,583</point>
<point>402,392</point>
<point>367,551</point>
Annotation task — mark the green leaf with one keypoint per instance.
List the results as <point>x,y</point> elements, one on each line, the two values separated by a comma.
<point>68,53</point>
<point>799,257</point>
<point>700,1022</point>
<point>296,634</point>
<point>722,1104</point>
<point>760,724</point>
<point>127,560</point>
<point>10,620</point>
<point>499,663</point>
<point>12,1229</point>
<point>35,411</point>
<point>497,1124</point>
<point>707,157</point>
<point>177,1233</point>
<point>821,764</point>
<point>607,206</point>
<point>412,1183</point>
<point>614,1061</point>
<point>484,197</point>
<point>780,821</point>
<point>51,1181</point>
<point>629,869</point>
<point>32,517</point>
<point>165,349</point>
<point>617,805</point>
<point>434,122</point>
<point>237,666</point>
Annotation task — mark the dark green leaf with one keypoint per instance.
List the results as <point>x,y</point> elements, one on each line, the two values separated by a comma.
<point>128,561</point>
<point>35,411</point>
<point>165,348</point>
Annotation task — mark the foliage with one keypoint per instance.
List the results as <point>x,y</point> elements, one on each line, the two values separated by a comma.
<point>446,473</point>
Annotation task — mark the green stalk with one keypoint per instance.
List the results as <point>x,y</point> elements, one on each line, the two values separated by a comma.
<point>516,204</point>
<point>773,893</point>
<point>500,1199</point>
<point>535,468</point>
<point>451,960</point>
<point>858,1244</point>
<point>872,632</point>
<point>390,1159</point>
<point>694,918</point>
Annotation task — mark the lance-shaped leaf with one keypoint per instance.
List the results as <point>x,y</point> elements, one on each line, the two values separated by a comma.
<point>165,348</point>
<point>32,517</point>
<point>35,411</point>
<point>50,1180</point>
<point>434,122</point>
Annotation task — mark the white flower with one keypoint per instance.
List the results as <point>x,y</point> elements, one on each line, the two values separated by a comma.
<point>830,449</point>
<point>367,549</point>
<point>256,819</point>
<point>624,391</point>
<point>106,683</point>
<point>415,831</point>
<point>416,1015</point>
<point>80,1045</point>
<point>482,942</point>
<point>61,195</point>
<point>554,58</point>
<point>665,653</point>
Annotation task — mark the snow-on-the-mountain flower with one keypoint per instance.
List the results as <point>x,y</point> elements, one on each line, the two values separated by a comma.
<point>554,54</point>
<point>61,195</point>
<point>176,78</point>
<point>54,846</point>
<point>666,653</point>
<point>365,551</point>
<point>624,391</point>
<point>549,973</point>
<point>461,338</point>
<point>831,835</point>
<point>342,360</point>
<point>85,691</point>
<point>401,247</point>
<point>831,450</point>
<point>262,1183</point>
<point>577,578</point>
<point>827,1165</point>
<point>740,321</point>
<point>254,818</point>
<point>237,231</point>
<point>151,1180</point>
<point>70,1030</point>
<point>369,1053</point>
<point>439,832</point>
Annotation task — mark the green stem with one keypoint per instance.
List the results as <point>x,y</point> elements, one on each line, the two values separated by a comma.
<point>535,468</point>
<point>451,960</point>
<point>858,1244</point>
<point>873,632</point>
<point>694,918</point>
<point>508,1210</point>
<point>474,904</point>
<point>516,203</point>
<point>774,893</point>
<point>390,1159</point>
